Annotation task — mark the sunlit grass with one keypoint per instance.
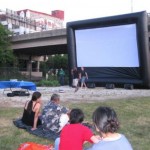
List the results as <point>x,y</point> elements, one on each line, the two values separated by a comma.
<point>133,115</point>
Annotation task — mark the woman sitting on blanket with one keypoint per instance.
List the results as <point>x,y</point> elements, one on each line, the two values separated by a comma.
<point>107,124</point>
<point>32,110</point>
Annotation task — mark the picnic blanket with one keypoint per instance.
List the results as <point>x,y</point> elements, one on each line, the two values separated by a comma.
<point>41,132</point>
<point>38,132</point>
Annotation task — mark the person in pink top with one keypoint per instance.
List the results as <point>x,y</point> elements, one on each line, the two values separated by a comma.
<point>74,135</point>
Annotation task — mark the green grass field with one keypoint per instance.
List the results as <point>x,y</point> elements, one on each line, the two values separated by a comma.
<point>134,116</point>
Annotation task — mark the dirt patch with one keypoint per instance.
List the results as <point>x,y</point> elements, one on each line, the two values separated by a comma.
<point>68,94</point>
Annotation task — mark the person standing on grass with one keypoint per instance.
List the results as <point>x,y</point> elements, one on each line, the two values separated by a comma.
<point>32,111</point>
<point>83,76</point>
<point>74,135</point>
<point>75,76</point>
<point>106,123</point>
<point>61,75</point>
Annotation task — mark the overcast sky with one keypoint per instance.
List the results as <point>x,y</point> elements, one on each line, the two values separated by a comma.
<point>79,9</point>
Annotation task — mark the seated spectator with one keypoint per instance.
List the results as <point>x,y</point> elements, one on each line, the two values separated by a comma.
<point>32,111</point>
<point>52,113</point>
<point>74,135</point>
<point>106,123</point>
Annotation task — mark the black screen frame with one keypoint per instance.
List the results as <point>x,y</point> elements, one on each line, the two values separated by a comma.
<point>142,75</point>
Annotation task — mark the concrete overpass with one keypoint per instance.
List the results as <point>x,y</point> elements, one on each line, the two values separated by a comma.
<point>40,43</point>
<point>29,46</point>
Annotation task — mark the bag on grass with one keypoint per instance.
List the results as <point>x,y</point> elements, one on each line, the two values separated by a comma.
<point>75,82</point>
<point>34,146</point>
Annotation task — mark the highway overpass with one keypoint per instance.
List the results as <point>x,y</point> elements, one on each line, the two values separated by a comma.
<point>40,43</point>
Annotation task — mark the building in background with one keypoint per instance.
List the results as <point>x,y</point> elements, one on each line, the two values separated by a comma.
<point>29,21</point>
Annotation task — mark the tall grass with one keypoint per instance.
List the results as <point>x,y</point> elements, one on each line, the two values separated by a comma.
<point>133,115</point>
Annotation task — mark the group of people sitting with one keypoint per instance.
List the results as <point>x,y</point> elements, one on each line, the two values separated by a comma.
<point>69,123</point>
<point>50,116</point>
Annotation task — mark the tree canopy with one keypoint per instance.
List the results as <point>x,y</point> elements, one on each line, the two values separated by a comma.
<point>55,62</point>
<point>6,54</point>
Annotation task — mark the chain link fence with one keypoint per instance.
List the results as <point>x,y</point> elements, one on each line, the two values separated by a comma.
<point>7,73</point>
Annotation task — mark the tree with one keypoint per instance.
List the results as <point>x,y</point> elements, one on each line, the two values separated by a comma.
<point>7,57</point>
<point>55,62</point>
<point>58,61</point>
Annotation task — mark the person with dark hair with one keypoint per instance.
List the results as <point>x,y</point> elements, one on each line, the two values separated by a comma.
<point>75,77</point>
<point>107,124</point>
<point>83,77</point>
<point>32,110</point>
<point>52,113</point>
<point>74,135</point>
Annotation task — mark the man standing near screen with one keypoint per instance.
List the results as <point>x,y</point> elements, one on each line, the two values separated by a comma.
<point>75,76</point>
<point>83,76</point>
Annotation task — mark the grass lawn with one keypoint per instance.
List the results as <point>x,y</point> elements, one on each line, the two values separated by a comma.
<point>134,116</point>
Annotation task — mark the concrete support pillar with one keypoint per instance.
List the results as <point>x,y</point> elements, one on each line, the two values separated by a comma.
<point>30,68</point>
<point>38,66</point>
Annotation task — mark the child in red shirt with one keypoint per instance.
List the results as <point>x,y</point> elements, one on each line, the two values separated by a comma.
<point>74,135</point>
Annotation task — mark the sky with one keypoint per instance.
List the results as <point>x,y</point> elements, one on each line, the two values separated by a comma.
<point>79,9</point>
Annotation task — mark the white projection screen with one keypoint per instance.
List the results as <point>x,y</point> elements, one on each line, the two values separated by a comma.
<point>113,46</point>
<point>113,49</point>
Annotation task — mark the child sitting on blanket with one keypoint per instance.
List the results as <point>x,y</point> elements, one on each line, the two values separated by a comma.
<point>74,135</point>
<point>32,110</point>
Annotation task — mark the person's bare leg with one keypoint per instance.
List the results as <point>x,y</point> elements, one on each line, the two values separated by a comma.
<point>84,85</point>
<point>77,87</point>
<point>81,85</point>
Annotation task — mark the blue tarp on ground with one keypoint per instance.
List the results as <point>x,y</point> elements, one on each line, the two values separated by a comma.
<point>18,84</point>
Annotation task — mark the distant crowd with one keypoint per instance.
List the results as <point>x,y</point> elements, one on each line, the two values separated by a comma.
<point>60,73</point>
<point>78,76</point>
